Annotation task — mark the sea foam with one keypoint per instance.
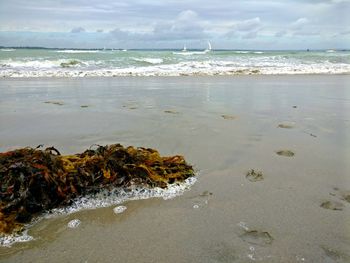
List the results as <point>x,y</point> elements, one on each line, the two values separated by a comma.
<point>105,198</point>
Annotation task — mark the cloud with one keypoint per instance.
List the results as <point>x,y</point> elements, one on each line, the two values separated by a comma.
<point>281,33</point>
<point>301,22</point>
<point>77,30</point>
<point>247,29</point>
<point>186,26</point>
<point>187,15</point>
<point>248,25</point>
<point>168,23</point>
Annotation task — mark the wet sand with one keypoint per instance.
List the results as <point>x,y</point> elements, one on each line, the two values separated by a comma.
<point>285,217</point>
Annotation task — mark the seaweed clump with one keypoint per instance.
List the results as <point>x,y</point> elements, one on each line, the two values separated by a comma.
<point>33,181</point>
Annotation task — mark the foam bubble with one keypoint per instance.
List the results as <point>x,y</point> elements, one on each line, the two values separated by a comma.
<point>74,223</point>
<point>119,209</point>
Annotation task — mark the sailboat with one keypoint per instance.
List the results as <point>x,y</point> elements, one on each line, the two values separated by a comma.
<point>184,51</point>
<point>209,48</point>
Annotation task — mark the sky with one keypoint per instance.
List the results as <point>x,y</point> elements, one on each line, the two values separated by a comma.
<point>227,24</point>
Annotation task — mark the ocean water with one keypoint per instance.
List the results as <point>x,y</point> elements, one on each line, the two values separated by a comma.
<point>81,63</point>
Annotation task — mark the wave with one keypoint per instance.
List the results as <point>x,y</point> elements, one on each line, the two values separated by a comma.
<point>150,60</point>
<point>7,49</point>
<point>105,198</point>
<point>40,64</point>
<point>261,66</point>
<point>191,53</point>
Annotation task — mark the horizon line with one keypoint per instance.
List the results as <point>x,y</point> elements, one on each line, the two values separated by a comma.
<point>165,49</point>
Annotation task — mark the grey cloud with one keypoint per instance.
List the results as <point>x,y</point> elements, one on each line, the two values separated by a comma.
<point>280,33</point>
<point>152,22</point>
<point>186,26</point>
<point>78,30</point>
<point>250,35</point>
<point>300,23</point>
<point>247,29</point>
<point>248,25</point>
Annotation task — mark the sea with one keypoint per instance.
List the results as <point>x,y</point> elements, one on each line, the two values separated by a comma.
<point>41,62</point>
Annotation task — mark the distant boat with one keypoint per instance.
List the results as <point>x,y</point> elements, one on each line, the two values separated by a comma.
<point>209,48</point>
<point>184,51</point>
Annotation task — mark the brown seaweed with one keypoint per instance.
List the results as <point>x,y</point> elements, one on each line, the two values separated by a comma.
<point>33,181</point>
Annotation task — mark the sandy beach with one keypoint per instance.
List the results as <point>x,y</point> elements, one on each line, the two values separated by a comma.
<point>298,211</point>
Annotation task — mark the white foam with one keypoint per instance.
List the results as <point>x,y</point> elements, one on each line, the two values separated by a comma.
<point>119,209</point>
<point>74,223</point>
<point>263,65</point>
<point>149,60</point>
<point>9,240</point>
<point>33,65</point>
<point>7,49</point>
<point>104,198</point>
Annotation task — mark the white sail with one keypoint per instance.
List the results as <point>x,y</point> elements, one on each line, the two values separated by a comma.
<point>209,46</point>
<point>184,49</point>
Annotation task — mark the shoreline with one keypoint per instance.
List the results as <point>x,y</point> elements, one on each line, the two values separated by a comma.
<point>173,76</point>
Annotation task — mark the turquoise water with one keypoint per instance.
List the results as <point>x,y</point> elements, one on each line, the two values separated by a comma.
<point>79,63</point>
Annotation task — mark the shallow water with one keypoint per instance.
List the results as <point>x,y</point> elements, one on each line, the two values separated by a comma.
<point>224,217</point>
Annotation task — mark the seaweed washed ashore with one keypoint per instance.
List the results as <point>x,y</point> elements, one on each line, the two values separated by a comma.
<point>33,181</point>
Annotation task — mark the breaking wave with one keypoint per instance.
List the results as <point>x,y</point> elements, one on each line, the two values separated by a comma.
<point>73,68</point>
<point>105,198</point>
<point>149,60</point>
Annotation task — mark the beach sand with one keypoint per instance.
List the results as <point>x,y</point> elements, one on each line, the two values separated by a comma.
<point>224,126</point>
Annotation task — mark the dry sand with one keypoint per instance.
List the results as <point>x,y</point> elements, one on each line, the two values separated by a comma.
<point>224,217</point>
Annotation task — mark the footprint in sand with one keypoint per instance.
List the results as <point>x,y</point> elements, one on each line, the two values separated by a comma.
<point>332,205</point>
<point>285,126</point>
<point>254,176</point>
<point>228,117</point>
<point>255,237</point>
<point>201,199</point>
<point>285,153</point>
<point>59,103</point>
<point>171,112</point>
<point>334,255</point>
<point>343,195</point>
